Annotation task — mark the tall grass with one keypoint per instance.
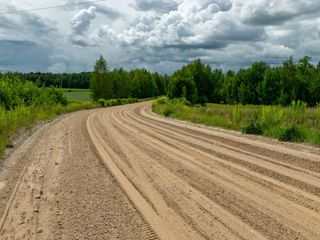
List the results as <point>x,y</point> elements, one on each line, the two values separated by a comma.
<point>26,116</point>
<point>296,122</point>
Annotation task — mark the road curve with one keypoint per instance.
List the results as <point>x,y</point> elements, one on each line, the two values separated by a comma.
<point>147,177</point>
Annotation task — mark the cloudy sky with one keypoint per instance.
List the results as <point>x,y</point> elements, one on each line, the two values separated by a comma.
<point>160,35</point>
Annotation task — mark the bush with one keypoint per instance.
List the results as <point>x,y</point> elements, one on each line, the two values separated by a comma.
<point>168,110</point>
<point>102,102</point>
<point>292,133</point>
<point>161,100</point>
<point>254,127</point>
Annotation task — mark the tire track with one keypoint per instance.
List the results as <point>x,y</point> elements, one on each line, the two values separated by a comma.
<point>255,164</point>
<point>304,158</point>
<point>195,174</point>
<point>130,190</point>
<point>211,182</point>
<point>183,147</point>
<point>190,206</point>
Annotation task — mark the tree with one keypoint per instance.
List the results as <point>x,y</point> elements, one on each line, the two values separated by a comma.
<point>101,85</point>
<point>203,79</point>
<point>269,89</point>
<point>143,84</point>
<point>228,90</point>
<point>182,85</point>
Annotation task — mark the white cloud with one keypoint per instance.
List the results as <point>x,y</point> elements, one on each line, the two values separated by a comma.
<point>80,24</point>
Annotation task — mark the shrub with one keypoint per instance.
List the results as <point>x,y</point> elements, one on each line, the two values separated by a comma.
<point>161,100</point>
<point>292,133</point>
<point>168,110</point>
<point>254,127</point>
<point>102,102</point>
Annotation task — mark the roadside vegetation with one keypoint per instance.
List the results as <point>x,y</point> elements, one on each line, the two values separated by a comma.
<point>23,104</point>
<point>295,122</point>
<point>280,102</point>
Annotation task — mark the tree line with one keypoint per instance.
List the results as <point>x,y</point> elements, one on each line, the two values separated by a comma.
<point>257,84</point>
<point>119,83</point>
<point>59,80</point>
<point>197,82</point>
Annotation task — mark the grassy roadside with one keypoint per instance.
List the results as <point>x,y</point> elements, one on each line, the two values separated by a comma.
<point>295,123</point>
<point>26,116</point>
<point>23,104</point>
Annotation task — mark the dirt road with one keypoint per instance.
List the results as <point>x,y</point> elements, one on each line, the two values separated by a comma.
<point>126,173</point>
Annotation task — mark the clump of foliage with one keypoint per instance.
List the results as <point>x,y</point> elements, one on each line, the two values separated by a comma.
<point>14,92</point>
<point>102,102</point>
<point>254,127</point>
<point>115,102</point>
<point>292,133</point>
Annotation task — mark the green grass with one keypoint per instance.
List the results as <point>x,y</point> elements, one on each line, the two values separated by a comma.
<point>295,123</point>
<point>26,116</point>
<point>77,95</point>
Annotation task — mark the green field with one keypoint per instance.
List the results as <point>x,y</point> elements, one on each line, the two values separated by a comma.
<point>77,95</point>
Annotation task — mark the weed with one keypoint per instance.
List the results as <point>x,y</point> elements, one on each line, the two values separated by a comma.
<point>168,110</point>
<point>292,133</point>
<point>253,127</point>
<point>236,115</point>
